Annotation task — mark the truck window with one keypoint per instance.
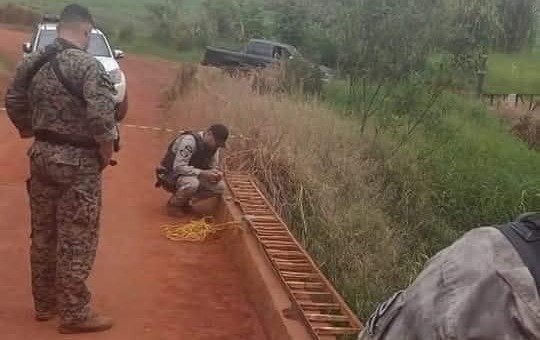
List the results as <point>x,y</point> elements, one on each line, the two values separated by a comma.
<point>280,53</point>
<point>259,48</point>
<point>98,46</point>
<point>277,53</point>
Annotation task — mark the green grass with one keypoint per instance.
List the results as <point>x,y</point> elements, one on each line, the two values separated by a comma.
<point>465,170</point>
<point>147,46</point>
<point>371,217</point>
<point>111,14</point>
<point>514,73</point>
<point>106,12</point>
<point>483,174</point>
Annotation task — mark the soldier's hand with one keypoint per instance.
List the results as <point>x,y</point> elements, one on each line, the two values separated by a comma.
<point>105,153</point>
<point>219,176</point>
<point>208,175</point>
<point>216,176</point>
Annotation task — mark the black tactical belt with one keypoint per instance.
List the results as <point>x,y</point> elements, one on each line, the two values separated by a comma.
<point>60,139</point>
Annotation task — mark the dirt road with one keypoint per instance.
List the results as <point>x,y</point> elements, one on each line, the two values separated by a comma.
<point>153,288</point>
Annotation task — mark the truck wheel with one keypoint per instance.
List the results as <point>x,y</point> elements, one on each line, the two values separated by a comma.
<point>122,109</point>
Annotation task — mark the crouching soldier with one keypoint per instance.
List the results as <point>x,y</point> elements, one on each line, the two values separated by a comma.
<point>189,169</point>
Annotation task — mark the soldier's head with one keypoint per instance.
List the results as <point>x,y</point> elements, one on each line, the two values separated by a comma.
<point>216,136</point>
<point>76,25</point>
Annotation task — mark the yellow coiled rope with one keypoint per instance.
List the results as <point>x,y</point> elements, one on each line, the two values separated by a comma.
<point>196,230</point>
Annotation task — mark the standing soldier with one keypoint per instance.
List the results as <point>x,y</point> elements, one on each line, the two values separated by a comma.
<point>189,169</point>
<point>63,97</point>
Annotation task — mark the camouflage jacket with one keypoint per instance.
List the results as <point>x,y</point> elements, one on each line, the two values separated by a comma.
<point>478,288</point>
<point>51,106</point>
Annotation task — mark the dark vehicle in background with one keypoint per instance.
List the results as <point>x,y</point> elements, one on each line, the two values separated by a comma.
<point>256,53</point>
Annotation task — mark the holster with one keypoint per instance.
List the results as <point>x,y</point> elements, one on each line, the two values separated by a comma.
<point>116,143</point>
<point>165,180</point>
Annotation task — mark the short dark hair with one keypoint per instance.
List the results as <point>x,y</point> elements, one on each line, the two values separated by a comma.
<point>220,132</point>
<point>75,13</point>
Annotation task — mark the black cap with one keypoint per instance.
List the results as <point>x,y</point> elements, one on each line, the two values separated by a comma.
<point>76,13</point>
<point>220,133</point>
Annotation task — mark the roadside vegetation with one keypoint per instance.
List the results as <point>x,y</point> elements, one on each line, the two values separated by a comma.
<point>398,158</point>
<point>516,72</point>
<point>381,168</point>
<point>369,211</point>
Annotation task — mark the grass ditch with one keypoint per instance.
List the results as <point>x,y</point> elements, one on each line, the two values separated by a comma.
<point>369,217</point>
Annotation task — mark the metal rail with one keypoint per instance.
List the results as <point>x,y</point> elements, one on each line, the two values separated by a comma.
<point>320,307</point>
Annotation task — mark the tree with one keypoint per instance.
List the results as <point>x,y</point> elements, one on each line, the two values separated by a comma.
<point>290,22</point>
<point>474,27</point>
<point>251,20</point>
<point>386,38</point>
<point>163,18</point>
<point>236,20</point>
<point>171,23</point>
<point>518,19</point>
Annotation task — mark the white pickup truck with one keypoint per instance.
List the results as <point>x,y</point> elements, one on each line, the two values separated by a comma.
<point>44,34</point>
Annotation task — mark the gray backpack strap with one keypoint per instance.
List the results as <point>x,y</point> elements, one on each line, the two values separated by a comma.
<point>524,234</point>
<point>51,56</point>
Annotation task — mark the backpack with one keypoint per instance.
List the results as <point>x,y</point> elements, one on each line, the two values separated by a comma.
<point>165,176</point>
<point>524,234</point>
<point>75,90</point>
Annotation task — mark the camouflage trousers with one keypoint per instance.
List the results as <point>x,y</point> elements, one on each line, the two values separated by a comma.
<point>193,188</point>
<point>65,201</point>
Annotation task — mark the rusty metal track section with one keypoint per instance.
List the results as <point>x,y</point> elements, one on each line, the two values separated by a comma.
<point>319,305</point>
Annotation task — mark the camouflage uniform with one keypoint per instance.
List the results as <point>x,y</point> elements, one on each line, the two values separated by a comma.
<point>478,288</point>
<point>65,183</point>
<point>189,185</point>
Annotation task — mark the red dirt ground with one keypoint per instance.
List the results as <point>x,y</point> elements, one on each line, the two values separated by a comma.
<point>153,288</point>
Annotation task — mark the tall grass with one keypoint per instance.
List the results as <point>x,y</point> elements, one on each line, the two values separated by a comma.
<point>485,175</point>
<point>474,170</point>
<point>368,216</point>
<point>316,169</point>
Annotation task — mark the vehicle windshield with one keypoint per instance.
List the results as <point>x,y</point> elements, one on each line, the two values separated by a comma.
<point>98,47</point>
<point>260,48</point>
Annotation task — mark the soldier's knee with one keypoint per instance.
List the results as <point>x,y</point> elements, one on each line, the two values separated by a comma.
<point>188,184</point>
